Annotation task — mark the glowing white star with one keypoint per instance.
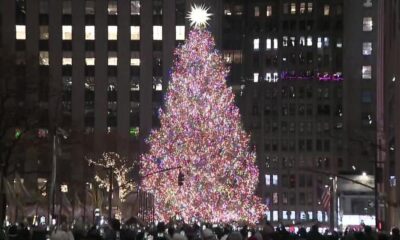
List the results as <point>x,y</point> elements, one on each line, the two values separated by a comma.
<point>198,16</point>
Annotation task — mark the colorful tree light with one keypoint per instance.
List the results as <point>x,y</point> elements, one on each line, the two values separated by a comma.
<point>201,137</point>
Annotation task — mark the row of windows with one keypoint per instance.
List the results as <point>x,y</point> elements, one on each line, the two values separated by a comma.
<point>20,31</point>
<point>276,216</point>
<point>90,7</point>
<point>292,42</point>
<point>303,145</point>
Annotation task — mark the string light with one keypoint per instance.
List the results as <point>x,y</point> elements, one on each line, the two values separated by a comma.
<point>202,134</point>
<point>121,168</point>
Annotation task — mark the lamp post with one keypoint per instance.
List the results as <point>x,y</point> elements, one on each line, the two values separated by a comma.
<point>63,190</point>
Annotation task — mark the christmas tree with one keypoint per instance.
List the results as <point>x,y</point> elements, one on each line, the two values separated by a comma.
<point>199,164</point>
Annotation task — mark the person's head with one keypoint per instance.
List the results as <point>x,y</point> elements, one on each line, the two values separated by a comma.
<point>395,231</point>
<point>234,236</point>
<point>367,229</point>
<point>207,234</point>
<point>115,224</point>
<point>178,236</point>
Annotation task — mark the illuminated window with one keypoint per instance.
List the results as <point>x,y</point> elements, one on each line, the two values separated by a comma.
<point>367,24</point>
<point>275,43</point>
<point>67,58</point>
<point>339,43</point>
<point>309,41</point>
<point>367,48</point>
<point>267,179</point>
<point>89,59</point>
<point>255,77</point>
<point>66,32</point>
<point>366,72</point>
<point>319,42</point>
<point>326,42</point>
<point>302,41</point>
<point>269,43</point>
<point>112,59</point>
<point>268,77</point>
<point>274,216</point>
<point>135,60</point>
<point>158,87</point>
<point>275,77</point>
<point>112,32</point>
<point>20,32</point>
<point>256,44</point>
<point>293,8</point>
<point>112,8</point>
<point>44,58</point>
<point>275,198</point>
<point>256,11</point>
<point>135,32</point>
<point>275,180</point>
<point>285,41</point>
<point>285,215</point>
<point>89,33</point>
<point>180,33</point>
<point>302,8</point>
<point>269,11</point>
<point>292,215</point>
<point>44,32</point>
<point>157,33</point>
<point>319,216</point>
<point>135,7</point>
<point>326,10</point>
<point>310,7</point>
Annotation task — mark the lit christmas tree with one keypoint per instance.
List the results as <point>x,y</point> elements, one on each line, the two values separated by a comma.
<point>199,164</point>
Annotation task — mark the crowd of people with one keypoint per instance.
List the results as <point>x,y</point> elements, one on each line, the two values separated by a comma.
<point>114,231</point>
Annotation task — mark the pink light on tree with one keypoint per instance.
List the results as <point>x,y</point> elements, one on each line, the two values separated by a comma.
<point>202,134</point>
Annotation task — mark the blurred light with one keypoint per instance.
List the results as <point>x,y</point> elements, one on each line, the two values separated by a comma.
<point>364,174</point>
<point>353,167</point>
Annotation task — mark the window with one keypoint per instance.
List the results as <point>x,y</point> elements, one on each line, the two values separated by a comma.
<point>66,32</point>
<point>44,7</point>
<point>89,59</point>
<point>66,7</point>
<point>255,77</point>
<point>285,41</point>
<point>256,44</point>
<point>326,42</point>
<point>135,32</point>
<point>367,48</point>
<point>275,77</point>
<point>180,33</point>
<point>319,42</point>
<point>275,43</point>
<point>44,58</point>
<point>309,41</point>
<point>20,32</point>
<point>256,11</point>
<point>112,7</point>
<point>268,77</point>
<point>275,180</point>
<point>286,8</point>
<point>269,43</point>
<point>366,97</point>
<point>112,59</point>
<point>135,7</point>
<point>135,60</point>
<point>157,33</point>
<point>366,72</point>
<point>112,32</point>
<point>275,198</point>
<point>44,32</point>
<point>293,8</point>
<point>302,8</point>
<point>292,215</point>
<point>89,32</point>
<point>367,24</point>
<point>89,7</point>
<point>339,43</point>
<point>267,179</point>
<point>67,58</point>
<point>367,3</point>
<point>274,216</point>
<point>309,7</point>
<point>326,10</point>
<point>269,11</point>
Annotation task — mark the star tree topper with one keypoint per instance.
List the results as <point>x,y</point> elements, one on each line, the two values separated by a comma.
<point>199,16</point>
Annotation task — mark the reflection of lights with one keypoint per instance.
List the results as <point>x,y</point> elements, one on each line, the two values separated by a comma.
<point>353,167</point>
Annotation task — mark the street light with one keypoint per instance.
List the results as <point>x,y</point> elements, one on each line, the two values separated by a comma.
<point>64,189</point>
